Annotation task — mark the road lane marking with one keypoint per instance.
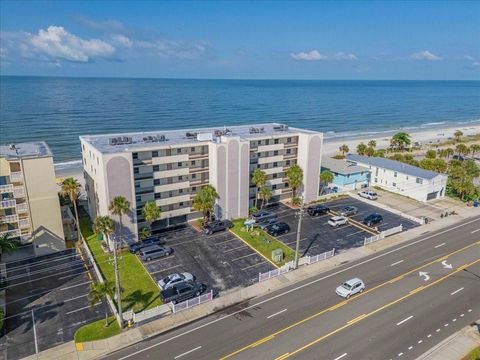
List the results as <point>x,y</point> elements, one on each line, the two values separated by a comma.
<point>462,315</point>
<point>187,352</point>
<point>445,325</point>
<point>469,310</point>
<point>457,291</point>
<point>351,322</point>
<point>439,245</point>
<point>410,347</point>
<point>294,289</point>
<point>429,335</point>
<point>420,341</point>
<point>438,330</point>
<point>72,286</point>
<point>474,231</point>
<point>277,313</point>
<point>404,320</point>
<point>341,356</point>
<point>454,320</point>
<point>396,263</point>
<point>34,332</point>
<point>400,354</point>
<point>261,341</point>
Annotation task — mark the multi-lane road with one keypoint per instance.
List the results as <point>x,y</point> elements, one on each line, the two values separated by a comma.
<point>417,294</point>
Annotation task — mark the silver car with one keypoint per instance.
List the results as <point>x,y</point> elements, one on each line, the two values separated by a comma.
<point>350,287</point>
<point>174,279</point>
<point>348,211</point>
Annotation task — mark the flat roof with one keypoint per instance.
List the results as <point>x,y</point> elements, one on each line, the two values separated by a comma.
<point>342,166</point>
<point>140,140</point>
<point>25,150</point>
<point>394,165</point>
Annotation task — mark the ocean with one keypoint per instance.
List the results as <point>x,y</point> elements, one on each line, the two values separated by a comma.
<point>58,110</point>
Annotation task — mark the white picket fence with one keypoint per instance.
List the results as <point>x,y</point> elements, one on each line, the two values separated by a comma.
<point>320,257</point>
<point>383,235</point>
<point>192,302</point>
<point>273,273</point>
<point>147,314</point>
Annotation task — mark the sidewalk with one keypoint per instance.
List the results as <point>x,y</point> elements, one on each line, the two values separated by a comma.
<point>456,346</point>
<point>96,349</point>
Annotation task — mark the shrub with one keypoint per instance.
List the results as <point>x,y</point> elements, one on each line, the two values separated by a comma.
<point>297,201</point>
<point>252,210</point>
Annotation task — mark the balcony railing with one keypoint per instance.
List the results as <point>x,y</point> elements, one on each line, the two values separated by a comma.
<point>16,176</point>
<point>9,219</point>
<point>6,188</point>
<point>22,208</point>
<point>7,204</point>
<point>23,223</point>
<point>19,191</point>
<point>12,233</point>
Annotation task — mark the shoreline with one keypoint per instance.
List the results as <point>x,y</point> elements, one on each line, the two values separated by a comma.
<point>424,135</point>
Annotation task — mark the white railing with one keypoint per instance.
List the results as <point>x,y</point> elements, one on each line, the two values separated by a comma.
<point>9,219</point>
<point>192,302</point>
<point>147,314</point>
<point>24,222</point>
<point>273,273</point>
<point>16,176</point>
<point>13,233</point>
<point>6,188</point>
<point>383,235</point>
<point>7,204</point>
<point>19,191</point>
<point>22,208</point>
<point>320,257</point>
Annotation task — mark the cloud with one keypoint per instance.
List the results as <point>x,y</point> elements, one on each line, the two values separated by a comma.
<point>476,63</point>
<point>175,49</point>
<point>315,55</point>
<point>425,55</point>
<point>110,26</point>
<point>122,40</point>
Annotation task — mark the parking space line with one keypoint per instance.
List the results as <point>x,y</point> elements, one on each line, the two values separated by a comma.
<point>242,257</point>
<point>34,332</point>
<point>159,271</point>
<point>67,276</point>
<point>355,233</point>
<point>254,265</point>
<point>226,241</point>
<point>251,247</point>
<point>145,263</point>
<point>72,286</point>
<point>75,298</point>
<point>82,308</point>
<point>234,249</point>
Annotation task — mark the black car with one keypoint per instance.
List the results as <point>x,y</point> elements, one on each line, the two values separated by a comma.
<point>373,219</point>
<point>182,292</point>
<point>278,229</point>
<point>217,225</point>
<point>318,209</point>
<point>136,247</point>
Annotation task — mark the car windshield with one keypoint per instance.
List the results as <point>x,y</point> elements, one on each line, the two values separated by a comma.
<point>347,286</point>
<point>166,280</point>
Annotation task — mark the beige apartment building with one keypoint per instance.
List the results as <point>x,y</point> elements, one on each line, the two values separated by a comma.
<point>29,206</point>
<point>170,167</point>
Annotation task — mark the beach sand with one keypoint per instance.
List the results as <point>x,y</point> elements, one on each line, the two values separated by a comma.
<point>331,145</point>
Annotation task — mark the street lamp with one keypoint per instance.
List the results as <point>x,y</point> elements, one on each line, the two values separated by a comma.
<point>299,228</point>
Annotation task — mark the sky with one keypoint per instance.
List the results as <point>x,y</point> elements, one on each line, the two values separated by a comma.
<point>409,40</point>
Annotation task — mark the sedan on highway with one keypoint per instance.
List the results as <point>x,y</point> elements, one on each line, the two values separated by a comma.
<point>350,287</point>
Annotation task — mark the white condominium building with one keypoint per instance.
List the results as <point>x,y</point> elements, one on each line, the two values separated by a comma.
<point>29,204</point>
<point>170,167</point>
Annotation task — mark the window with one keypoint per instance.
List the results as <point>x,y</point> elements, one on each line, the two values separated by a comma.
<point>275,153</point>
<point>180,191</point>
<point>274,187</point>
<point>192,149</point>
<point>384,170</point>
<point>180,178</point>
<point>348,175</point>
<point>156,182</point>
<point>179,151</point>
<point>138,198</point>
<point>267,142</point>
<point>395,174</point>
<point>289,151</point>
<point>259,142</point>
<point>97,161</point>
<point>136,170</point>
<point>135,155</point>
<point>275,141</point>
<point>289,140</point>
<point>419,180</point>
<point>194,188</point>
<point>156,167</point>
<point>376,180</point>
<point>170,194</point>
<point>407,177</point>
<point>275,164</point>
<point>154,153</point>
<point>274,175</point>
<point>179,164</point>
<point>193,163</point>
<point>287,163</point>
<point>194,176</point>
<point>180,204</point>
<point>158,195</point>
<point>394,184</point>
<point>286,184</point>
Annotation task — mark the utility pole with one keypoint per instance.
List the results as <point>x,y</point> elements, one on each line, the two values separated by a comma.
<point>117,282</point>
<point>299,228</point>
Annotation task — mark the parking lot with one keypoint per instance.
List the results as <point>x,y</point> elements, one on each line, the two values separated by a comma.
<point>221,261</point>
<point>341,238</point>
<point>46,302</point>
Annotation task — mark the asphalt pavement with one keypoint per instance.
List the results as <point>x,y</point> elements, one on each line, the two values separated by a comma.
<point>411,293</point>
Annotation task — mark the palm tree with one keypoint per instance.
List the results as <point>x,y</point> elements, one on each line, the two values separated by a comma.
<point>361,148</point>
<point>106,226</point>
<point>295,178</point>
<point>372,144</point>
<point>442,153</point>
<point>449,152</point>
<point>151,213</point>
<point>326,177</point>
<point>400,140</point>
<point>119,206</point>
<point>7,245</point>
<point>462,149</point>
<point>344,149</point>
<point>369,151</point>
<point>144,233</point>
<point>259,179</point>
<point>474,148</point>
<point>71,188</point>
<point>265,194</point>
<point>458,135</point>
<point>204,201</point>
<point>98,293</point>
<point>431,154</point>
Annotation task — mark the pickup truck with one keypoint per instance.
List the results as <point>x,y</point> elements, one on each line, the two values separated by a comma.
<point>182,292</point>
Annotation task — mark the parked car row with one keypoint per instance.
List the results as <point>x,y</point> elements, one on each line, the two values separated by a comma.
<point>182,292</point>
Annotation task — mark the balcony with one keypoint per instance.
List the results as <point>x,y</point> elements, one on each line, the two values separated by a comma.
<point>290,145</point>
<point>24,223</point>
<point>197,156</point>
<point>8,219</point>
<point>21,208</point>
<point>7,204</point>
<point>19,191</point>
<point>12,233</point>
<point>6,188</point>
<point>16,176</point>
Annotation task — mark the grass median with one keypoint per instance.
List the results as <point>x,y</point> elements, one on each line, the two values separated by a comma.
<point>97,330</point>
<point>139,290</point>
<point>473,355</point>
<point>262,242</point>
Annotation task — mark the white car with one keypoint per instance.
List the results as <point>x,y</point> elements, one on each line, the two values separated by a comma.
<point>367,194</point>
<point>337,221</point>
<point>350,287</point>
<point>174,279</point>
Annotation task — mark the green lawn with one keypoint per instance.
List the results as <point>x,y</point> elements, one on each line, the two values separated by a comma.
<point>256,239</point>
<point>139,290</point>
<point>97,330</point>
<point>473,355</point>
